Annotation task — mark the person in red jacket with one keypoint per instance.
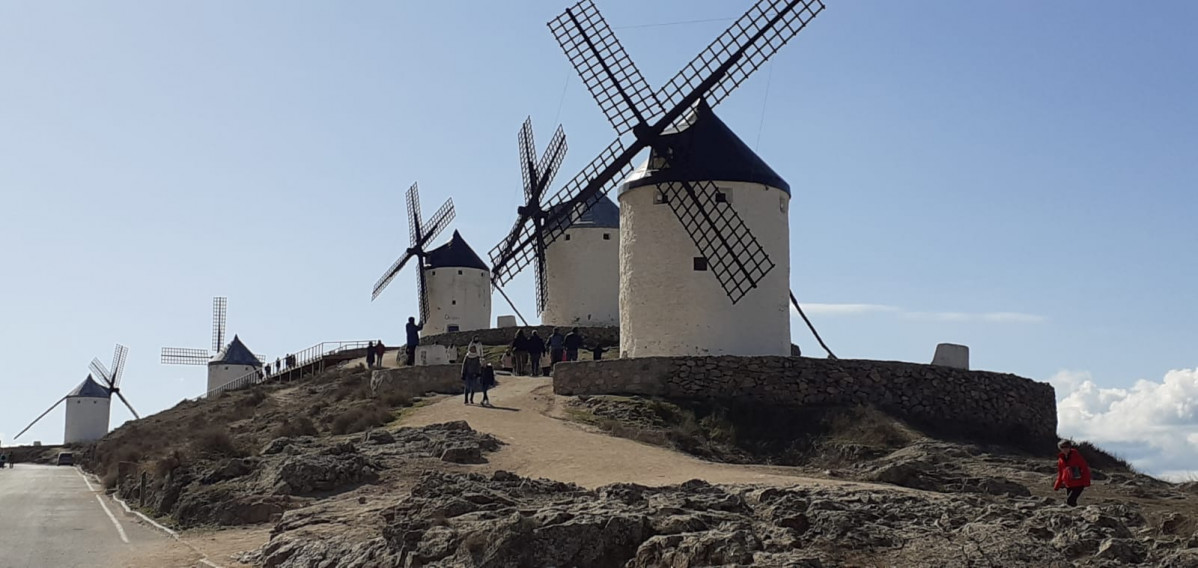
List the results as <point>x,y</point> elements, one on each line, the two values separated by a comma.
<point>1073,473</point>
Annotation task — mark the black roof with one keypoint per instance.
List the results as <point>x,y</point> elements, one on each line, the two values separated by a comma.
<point>236,353</point>
<point>706,149</point>
<point>454,253</point>
<point>603,215</point>
<point>91,389</point>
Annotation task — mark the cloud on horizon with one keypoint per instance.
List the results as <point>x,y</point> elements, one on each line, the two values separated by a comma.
<point>1152,424</point>
<point>864,309</point>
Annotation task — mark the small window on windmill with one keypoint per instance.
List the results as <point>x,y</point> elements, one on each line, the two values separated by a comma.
<point>700,264</point>
<point>607,236</point>
<point>567,236</point>
<point>453,302</point>
<point>723,195</point>
<point>660,198</point>
<point>782,204</point>
<point>459,272</point>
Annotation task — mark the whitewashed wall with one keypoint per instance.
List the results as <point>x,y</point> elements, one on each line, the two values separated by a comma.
<point>87,419</point>
<point>220,375</point>
<point>669,309</point>
<point>457,296</point>
<point>582,278</point>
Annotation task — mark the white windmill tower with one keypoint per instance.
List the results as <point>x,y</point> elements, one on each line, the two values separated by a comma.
<point>454,284</point>
<point>88,405</point>
<point>575,248</point>
<point>226,363</point>
<point>703,224</point>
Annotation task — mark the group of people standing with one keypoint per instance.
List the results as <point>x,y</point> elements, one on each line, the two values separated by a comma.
<point>528,350</point>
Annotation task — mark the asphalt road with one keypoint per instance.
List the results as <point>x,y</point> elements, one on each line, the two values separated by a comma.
<point>50,518</point>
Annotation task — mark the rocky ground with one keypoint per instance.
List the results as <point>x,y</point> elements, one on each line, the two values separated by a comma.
<point>857,489</point>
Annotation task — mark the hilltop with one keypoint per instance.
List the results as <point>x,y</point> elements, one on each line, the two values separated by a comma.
<point>346,478</point>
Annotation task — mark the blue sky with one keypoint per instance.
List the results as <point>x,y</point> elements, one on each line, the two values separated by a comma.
<point>1015,176</point>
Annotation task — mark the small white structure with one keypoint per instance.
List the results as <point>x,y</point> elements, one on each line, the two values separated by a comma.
<point>458,285</point>
<point>87,412</point>
<point>233,362</point>
<point>582,267</point>
<point>951,355</point>
<point>670,304</point>
<point>432,355</point>
<point>505,321</point>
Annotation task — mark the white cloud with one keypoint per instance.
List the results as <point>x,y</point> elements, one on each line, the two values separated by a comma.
<point>1153,424</point>
<point>863,309</point>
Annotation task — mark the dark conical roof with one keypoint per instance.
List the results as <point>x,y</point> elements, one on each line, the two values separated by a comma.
<point>236,353</point>
<point>454,253</point>
<point>603,215</point>
<point>89,388</point>
<point>705,149</point>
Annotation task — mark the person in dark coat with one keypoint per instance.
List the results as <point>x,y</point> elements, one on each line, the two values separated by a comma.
<point>1073,473</point>
<point>370,352</point>
<point>597,352</point>
<point>486,382</point>
<point>536,348</point>
<point>471,369</point>
<point>413,330</point>
<point>573,343</point>
<point>381,350</point>
<point>520,354</point>
<point>557,347</point>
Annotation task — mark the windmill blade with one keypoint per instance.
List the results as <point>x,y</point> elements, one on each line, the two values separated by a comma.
<point>414,221</point>
<point>43,415</point>
<point>127,405</point>
<point>439,221</point>
<point>528,157</point>
<point>219,311</point>
<point>605,68</point>
<point>184,356</point>
<point>733,254</point>
<point>552,160</point>
<point>118,364</point>
<point>542,291</point>
<point>587,188</point>
<point>98,370</point>
<point>422,291</point>
<point>738,52</point>
<point>389,275</point>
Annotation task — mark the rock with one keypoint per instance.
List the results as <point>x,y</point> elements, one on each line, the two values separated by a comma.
<point>380,436</point>
<point>462,454</point>
<point>1122,550</point>
<point>333,469</point>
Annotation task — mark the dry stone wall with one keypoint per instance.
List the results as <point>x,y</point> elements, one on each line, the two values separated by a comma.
<point>416,381</point>
<point>972,403</point>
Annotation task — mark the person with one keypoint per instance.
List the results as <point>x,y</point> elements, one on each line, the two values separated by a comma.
<point>573,343</point>
<point>557,347</point>
<point>370,355</point>
<point>413,330</point>
<point>267,367</point>
<point>278,364</point>
<point>1073,473</point>
<point>520,353</point>
<point>535,347</point>
<point>381,350</point>
<point>3,458</point>
<point>471,369</point>
<point>486,382</point>
<point>597,352</point>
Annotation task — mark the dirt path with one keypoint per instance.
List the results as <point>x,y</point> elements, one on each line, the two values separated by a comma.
<point>540,445</point>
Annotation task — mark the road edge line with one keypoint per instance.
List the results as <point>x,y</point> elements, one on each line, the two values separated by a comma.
<point>119,529</point>
<point>173,534</point>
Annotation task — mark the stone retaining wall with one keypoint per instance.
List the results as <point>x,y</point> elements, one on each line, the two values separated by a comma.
<point>416,381</point>
<point>992,405</point>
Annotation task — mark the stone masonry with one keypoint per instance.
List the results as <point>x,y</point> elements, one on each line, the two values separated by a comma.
<point>972,403</point>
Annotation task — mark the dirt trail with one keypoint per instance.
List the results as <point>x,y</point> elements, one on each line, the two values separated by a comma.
<point>540,445</point>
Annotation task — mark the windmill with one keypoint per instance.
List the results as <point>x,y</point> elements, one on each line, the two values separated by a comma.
<point>226,362</point>
<point>676,124</point>
<point>453,283</point>
<point>576,283</point>
<point>89,403</point>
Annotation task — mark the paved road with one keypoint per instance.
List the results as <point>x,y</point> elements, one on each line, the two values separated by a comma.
<point>50,518</point>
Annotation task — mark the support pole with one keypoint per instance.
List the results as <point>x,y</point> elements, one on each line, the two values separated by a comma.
<point>509,302</point>
<point>795,302</point>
